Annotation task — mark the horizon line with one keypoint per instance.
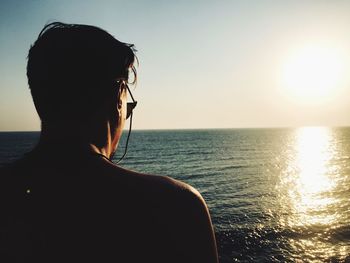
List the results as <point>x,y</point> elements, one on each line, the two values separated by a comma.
<point>214,128</point>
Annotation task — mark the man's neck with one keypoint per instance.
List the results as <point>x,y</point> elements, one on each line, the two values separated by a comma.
<point>70,137</point>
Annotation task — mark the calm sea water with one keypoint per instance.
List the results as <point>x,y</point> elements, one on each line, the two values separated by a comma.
<point>275,195</point>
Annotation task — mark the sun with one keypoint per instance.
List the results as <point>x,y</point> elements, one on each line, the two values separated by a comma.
<point>313,73</point>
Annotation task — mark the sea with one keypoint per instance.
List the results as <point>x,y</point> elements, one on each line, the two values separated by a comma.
<point>274,195</point>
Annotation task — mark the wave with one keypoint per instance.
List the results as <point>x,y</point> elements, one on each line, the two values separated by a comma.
<point>268,244</point>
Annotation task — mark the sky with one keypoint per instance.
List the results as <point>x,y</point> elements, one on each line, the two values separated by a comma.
<point>203,64</point>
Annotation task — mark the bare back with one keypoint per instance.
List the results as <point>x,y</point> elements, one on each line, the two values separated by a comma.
<point>65,208</point>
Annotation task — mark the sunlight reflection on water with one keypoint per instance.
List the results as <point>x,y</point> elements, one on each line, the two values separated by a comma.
<point>309,182</point>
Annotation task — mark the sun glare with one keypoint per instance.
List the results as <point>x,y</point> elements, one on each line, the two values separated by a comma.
<point>313,74</point>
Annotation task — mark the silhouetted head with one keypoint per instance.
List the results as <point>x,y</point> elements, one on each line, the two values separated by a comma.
<point>73,68</point>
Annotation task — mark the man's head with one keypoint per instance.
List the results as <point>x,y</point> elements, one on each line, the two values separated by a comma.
<point>72,69</point>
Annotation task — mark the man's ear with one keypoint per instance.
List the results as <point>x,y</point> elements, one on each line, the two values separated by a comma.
<point>115,105</point>
<point>118,101</point>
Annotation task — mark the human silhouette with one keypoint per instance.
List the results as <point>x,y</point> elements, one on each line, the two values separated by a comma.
<point>65,201</point>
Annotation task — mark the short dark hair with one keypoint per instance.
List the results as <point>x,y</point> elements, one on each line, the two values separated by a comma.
<point>72,67</point>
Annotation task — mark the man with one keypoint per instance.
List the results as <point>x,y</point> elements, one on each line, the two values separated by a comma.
<point>66,201</point>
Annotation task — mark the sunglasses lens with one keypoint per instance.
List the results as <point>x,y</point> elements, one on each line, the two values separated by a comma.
<point>130,108</point>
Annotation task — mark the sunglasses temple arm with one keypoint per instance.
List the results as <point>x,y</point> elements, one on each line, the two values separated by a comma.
<point>132,97</point>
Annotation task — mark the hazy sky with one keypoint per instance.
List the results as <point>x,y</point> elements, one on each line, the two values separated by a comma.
<point>203,64</point>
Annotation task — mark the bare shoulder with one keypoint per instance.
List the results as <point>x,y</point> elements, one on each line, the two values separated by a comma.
<point>178,200</point>
<point>183,213</point>
<point>161,184</point>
